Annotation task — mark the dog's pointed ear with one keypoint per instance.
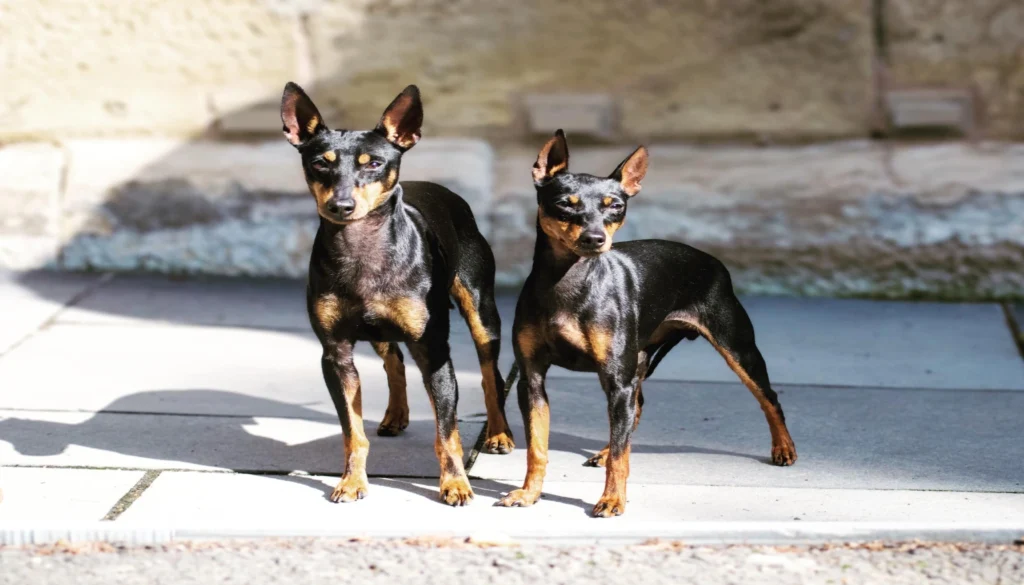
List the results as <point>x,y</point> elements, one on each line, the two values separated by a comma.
<point>631,171</point>
<point>401,122</point>
<point>553,158</point>
<point>299,117</point>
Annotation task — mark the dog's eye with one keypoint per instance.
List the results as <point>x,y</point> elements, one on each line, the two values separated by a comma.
<point>616,206</point>
<point>373,164</point>
<point>566,205</point>
<point>320,167</point>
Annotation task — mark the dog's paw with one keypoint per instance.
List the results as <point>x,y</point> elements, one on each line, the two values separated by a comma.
<point>784,453</point>
<point>455,491</point>
<point>394,422</point>
<point>499,443</point>
<point>598,460</point>
<point>350,489</point>
<point>519,499</point>
<point>610,505</point>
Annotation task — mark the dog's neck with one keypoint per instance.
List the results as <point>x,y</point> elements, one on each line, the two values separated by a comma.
<point>552,260</point>
<point>367,243</point>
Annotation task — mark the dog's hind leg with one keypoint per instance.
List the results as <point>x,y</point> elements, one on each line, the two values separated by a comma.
<point>396,417</point>
<point>475,296</point>
<point>728,328</point>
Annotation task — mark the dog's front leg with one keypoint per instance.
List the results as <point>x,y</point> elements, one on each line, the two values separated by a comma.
<point>432,357</point>
<point>343,384</point>
<point>533,402</point>
<point>622,391</point>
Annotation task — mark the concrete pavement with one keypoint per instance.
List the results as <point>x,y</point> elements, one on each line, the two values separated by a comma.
<point>196,407</point>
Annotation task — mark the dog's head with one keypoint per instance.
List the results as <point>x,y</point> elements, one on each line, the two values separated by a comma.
<point>579,213</point>
<point>350,172</point>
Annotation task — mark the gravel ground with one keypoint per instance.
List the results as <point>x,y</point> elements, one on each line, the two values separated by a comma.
<point>450,562</point>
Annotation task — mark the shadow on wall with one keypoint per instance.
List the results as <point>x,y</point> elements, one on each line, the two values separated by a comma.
<point>233,201</point>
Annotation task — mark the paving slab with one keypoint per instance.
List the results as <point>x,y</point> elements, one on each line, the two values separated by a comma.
<point>715,434</point>
<point>841,342</point>
<point>120,440</point>
<point>237,302</point>
<point>846,342</point>
<point>28,300</point>
<point>409,507</point>
<point>69,494</point>
<point>197,370</point>
<point>135,299</point>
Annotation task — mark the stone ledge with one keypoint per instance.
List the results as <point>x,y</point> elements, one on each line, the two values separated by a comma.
<point>846,218</point>
<point>851,218</point>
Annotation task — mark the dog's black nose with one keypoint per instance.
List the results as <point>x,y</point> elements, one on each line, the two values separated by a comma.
<point>342,207</point>
<point>592,239</point>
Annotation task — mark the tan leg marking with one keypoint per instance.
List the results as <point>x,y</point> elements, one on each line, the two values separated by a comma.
<point>353,485</point>
<point>783,448</point>
<point>613,500</point>
<point>396,417</point>
<point>536,459</point>
<point>499,436</point>
<point>455,488</point>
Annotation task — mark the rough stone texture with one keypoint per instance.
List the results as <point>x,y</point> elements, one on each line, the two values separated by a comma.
<point>849,218</point>
<point>104,67</point>
<point>207,207</point>
<point>790,68</point>
<point>951,43</point>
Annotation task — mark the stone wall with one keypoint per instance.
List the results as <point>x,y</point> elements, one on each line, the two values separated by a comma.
<point>144,135</point>
<point>789,68</point>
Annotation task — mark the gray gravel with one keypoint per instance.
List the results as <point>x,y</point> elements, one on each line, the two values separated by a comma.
<point>451,562</point>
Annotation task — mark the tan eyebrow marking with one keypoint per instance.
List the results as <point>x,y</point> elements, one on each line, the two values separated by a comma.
<point>607,201</point>
<point>574,199</point>
<point>330,156</point>
<point>364,158</point>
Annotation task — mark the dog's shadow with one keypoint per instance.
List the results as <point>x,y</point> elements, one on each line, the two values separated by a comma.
<point>139,426</point>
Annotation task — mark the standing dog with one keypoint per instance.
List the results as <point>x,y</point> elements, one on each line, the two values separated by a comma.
<point>385,260</point>
<point>592,307</point>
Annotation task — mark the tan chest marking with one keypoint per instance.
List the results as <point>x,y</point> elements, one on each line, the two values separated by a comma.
<point>407,313</point>
<point>328,310</point>
<point>592,340</point>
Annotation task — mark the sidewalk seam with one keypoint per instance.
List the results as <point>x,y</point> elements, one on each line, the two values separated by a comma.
<point>131,495</point>
<point>74,300</point>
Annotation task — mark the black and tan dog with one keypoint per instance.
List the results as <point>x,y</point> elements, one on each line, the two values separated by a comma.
<point>592,307</point>
<point>385,260</point>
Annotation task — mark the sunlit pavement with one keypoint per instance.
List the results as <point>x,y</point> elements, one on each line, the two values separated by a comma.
<point>165,408</point>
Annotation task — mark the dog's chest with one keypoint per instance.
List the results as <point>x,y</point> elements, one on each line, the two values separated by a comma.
<point>380,311</point>
<point>571,342</point>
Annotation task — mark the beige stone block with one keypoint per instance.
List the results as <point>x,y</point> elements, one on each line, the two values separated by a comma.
<point>954,44</point>
<point>790,69</point>
<point>30,176</point>
<point>141,67</point>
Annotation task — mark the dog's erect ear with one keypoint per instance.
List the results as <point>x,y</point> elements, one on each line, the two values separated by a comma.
<point>631,171</point>
<point>553,158</point>
<point>401,122</point>
<point>299,117</point>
